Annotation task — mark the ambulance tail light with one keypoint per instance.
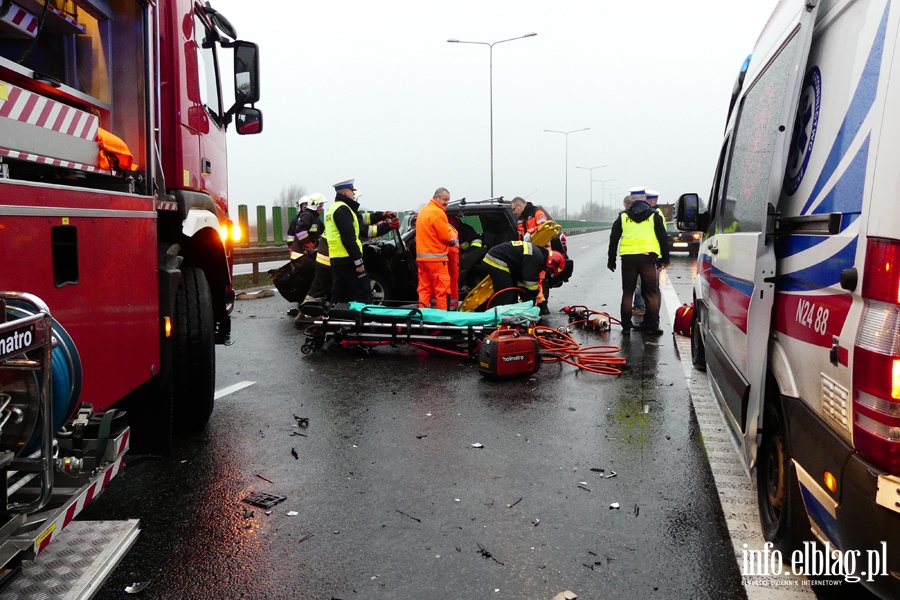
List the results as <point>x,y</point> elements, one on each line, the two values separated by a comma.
<point>876,359</point>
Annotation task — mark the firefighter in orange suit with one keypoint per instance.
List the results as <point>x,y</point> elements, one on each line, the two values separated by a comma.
<point>433,242</point>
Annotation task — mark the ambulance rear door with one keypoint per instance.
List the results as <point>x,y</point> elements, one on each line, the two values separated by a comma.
<point>741,254</point>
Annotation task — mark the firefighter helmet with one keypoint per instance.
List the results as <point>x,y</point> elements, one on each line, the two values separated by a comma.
<point>302,202</point>
<point>556,262</point>
<point>316,200</point>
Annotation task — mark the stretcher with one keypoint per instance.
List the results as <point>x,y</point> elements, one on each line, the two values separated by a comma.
<point>482,292</point>
<point>449,332</point>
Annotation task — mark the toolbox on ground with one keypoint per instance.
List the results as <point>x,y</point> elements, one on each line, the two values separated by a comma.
<point>506,353</point>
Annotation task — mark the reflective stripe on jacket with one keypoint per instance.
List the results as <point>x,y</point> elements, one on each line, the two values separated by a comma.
<point>524,261</point>
<point>332,233</point>
<point>432,232</point>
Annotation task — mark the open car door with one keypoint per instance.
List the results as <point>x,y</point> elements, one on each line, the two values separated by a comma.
<point>741,247</point>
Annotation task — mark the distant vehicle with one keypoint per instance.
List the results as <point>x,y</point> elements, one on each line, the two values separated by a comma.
<point>683,241</point>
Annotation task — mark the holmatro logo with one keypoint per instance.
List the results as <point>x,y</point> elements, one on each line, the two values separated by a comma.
<point>16,341</point>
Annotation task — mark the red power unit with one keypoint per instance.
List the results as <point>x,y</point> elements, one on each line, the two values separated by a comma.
<point>506,354</point>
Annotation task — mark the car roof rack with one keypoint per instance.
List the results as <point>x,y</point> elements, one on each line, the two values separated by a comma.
<point>466,202</point>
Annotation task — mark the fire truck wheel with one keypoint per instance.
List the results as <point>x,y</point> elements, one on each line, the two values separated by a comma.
<point>195,352</point>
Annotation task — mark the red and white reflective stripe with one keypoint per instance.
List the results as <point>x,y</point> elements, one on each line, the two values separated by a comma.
<point>166,206</point>
<point>21,20</point>
<point>53,529</point>
<point>52,161</point>
<point>34,109</point>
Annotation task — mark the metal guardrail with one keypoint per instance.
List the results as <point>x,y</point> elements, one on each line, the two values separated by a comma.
<point>254,256</point>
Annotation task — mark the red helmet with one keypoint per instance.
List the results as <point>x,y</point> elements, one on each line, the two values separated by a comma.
<point>556,262</point>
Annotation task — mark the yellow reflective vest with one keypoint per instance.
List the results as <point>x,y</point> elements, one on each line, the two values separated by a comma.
<point>335,246</point>
<point>638,237</point>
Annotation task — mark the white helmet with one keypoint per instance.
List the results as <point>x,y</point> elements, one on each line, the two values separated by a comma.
<point>303,200</point>
<point>316,200</point>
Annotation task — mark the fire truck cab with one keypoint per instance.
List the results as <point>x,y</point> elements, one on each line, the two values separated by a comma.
<point>115,241</point>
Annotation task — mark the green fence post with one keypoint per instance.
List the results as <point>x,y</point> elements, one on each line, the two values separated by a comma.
<point>292,212</point>
<point>277,231</point>
<point>262,236</point>
<point>244,223</point>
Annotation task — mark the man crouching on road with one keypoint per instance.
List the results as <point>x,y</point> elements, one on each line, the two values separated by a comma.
<point>644,244</point>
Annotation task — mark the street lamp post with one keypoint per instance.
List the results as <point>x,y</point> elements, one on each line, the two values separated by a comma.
<point>591,173</point>
<point>603,183</point>
<point>566,133</point>
<point>490,45</point>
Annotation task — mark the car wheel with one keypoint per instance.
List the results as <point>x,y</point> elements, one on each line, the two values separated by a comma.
<point>382,291</point>
<point>698,350</point>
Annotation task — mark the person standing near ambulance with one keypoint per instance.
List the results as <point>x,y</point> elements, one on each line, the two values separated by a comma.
<point>350,282</point>
<point>639,236</point>
<point>434,237</point>
<point>308,225</point>
<point>296,249</point>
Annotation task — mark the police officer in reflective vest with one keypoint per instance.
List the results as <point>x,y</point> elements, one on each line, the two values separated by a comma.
<point>639,234</point>
<point>521,265</point>
<point>349,278</point>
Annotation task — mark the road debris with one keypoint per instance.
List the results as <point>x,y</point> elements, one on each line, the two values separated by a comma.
<point>264,479</point>
<point>406,515</point>
<point>477,445</point>
<point>614,505</point>
<point>292,513</point>
<point>305,537</point>
<point>264,500</point>
<point>302,421</point>
<point>298,433</point>
<point>514,503</point>
<point>598,470</point>
<point>637,510</point>
<point>566,595</point>
<point>536,522</point>
<point>294,454</point>
<point>421,435</point>
<point>137,587</point>
<point>486,554</point>
<point>584,487</point>
<point>248,514</point>
<point>611,474</point>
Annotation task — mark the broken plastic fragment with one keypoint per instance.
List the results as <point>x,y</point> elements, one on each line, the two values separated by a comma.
<point>137,587</point>
<point>476,445</point>
<point>611,474</point>
<point>614,505</point>
<point>292,513</point>
<point>566,595</point>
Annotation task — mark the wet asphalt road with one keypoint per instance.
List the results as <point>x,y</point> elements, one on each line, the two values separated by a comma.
<point>393,501</point>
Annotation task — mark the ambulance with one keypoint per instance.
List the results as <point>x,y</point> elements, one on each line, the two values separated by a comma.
<point>797,297</point>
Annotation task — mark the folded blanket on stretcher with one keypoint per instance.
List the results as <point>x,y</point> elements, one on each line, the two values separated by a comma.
<point>503,314</point>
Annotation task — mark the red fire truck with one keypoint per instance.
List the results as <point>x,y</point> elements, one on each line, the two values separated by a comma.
<point>115,242</point>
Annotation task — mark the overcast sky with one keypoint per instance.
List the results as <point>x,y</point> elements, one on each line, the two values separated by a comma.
<point>373,91</point>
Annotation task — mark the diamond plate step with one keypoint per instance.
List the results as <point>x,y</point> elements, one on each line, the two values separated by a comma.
<point>76,563</point>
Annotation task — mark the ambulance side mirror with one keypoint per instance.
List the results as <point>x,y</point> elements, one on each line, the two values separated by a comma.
<point>688,215</point>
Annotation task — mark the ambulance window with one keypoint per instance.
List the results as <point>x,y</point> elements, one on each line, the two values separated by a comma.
<point>207,68</point>
<point>715,198</point>
<point>747,187</point>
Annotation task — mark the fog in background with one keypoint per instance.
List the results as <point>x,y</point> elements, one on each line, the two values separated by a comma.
<point>373,91</point>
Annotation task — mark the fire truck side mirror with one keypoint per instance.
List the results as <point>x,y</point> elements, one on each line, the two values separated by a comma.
<point>248,121</point>
<point>246,73</point>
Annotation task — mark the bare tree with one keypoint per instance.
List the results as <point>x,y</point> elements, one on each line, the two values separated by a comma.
<point>290,195</point>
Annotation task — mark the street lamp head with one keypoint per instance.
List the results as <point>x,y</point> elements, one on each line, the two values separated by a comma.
<point>453,41</point>
<point>532,34</point>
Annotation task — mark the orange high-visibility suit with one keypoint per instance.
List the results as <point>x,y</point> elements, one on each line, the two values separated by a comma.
<point>433,241</point>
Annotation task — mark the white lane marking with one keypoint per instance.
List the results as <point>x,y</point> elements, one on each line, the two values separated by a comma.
<point>233,388</point>
<point>737,492</point>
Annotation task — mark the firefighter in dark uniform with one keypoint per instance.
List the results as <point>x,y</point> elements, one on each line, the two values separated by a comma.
<point>308,226</point>
<point>521,265</point>
<point>292,227</point>
<point>644,246</point>
<point>530,219</point>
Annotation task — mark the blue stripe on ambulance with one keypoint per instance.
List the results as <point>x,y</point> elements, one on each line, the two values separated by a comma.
<point>820,515</point>
<point>862,102</point>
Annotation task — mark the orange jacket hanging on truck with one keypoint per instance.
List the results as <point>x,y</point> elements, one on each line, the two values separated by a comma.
<point>114,153</point>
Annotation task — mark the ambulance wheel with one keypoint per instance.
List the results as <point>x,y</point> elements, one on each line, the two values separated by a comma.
<point>773,478</point>
<point>381,287</point>
<point>194,377</point>
<point>698,350</point>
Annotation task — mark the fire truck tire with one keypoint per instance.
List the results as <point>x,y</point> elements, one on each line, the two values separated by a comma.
<point>194,377</point>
